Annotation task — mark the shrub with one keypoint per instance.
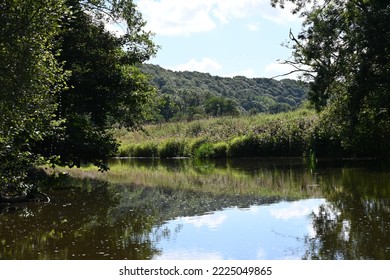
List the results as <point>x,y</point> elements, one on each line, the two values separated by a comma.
<point>194,145</point>
<point>145,150</point>
<point>220,150</point>
<point>244,146</point>
<point>205,151</point>
<point>125,150</point>
<point>287,134</point>
<point>172,148</point>
<point>266,145</point>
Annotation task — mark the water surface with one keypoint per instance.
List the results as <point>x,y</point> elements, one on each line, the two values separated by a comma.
<point>181,209</point>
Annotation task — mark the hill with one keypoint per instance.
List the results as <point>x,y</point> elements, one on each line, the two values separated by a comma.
<point>194,95</point>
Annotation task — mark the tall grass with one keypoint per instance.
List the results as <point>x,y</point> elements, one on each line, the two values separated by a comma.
<point>284,134</point>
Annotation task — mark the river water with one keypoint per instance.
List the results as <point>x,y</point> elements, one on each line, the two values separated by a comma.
<point>182,209</point>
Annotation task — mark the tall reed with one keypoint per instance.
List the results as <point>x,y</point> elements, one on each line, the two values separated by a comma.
<point>284,134</point>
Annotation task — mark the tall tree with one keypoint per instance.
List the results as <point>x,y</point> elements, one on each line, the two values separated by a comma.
<point>105,87</point>
<point>344,47</point>
<point>64,81</point>
<point>30,79</point>
<point>220,106</point>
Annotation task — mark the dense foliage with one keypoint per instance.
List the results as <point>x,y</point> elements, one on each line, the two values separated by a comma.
<point>106,89</point>
<point>283,134</point>
<point>64,81</point>
<point>344,48</point>
<point>194,95</point>
<point>30,81</point>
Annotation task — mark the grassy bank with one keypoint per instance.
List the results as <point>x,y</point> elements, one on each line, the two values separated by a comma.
<point>284,134</point>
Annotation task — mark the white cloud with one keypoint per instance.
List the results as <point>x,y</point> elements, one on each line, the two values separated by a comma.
<point>293,211</point>
<point>174,17</point>
<point>193,254</point>
<point>212,66</point>
<point>212,221</point>
<point>226,10</point>
<point>253,26</point>
<point>296,209</point>
<point>206,64</point>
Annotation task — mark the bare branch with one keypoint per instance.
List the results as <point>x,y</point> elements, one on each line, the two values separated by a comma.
<point>285,74</point>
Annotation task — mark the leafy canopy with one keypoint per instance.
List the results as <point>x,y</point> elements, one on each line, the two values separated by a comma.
<point>65,80</point>
<point>344,49</point>
<point>30,79</point>
<point>105,88</point>
<point>194,95</point>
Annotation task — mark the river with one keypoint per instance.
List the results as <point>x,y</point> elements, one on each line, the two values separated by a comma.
<point>184,209</point>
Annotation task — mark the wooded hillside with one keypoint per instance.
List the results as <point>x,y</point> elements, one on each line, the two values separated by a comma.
<point>193,95</point>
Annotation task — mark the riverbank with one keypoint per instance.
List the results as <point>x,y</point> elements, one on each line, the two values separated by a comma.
<point>288,134</point>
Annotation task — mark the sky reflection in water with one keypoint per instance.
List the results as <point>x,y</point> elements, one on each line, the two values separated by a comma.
<point>275,231</point>
<point>253,209</point>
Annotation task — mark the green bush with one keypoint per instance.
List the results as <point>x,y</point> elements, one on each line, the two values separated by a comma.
<point>172,148</point>
<point>266,145</point>
<point>244,146</point>
<point>220,150</point>
<point>125,150</point>
<point>286,134</point>
<point>193,145</point>
<point>205,151</point>
<point>145,150</point>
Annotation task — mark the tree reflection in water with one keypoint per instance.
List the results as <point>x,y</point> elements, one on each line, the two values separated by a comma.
<point>355,222</point>
<point>116,218</point>
<point>91,219</point>
<point>77,224</point>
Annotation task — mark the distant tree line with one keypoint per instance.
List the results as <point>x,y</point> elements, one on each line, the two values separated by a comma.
<point>195,95</point>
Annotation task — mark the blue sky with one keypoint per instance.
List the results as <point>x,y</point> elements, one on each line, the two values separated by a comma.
<point>220,37</point>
